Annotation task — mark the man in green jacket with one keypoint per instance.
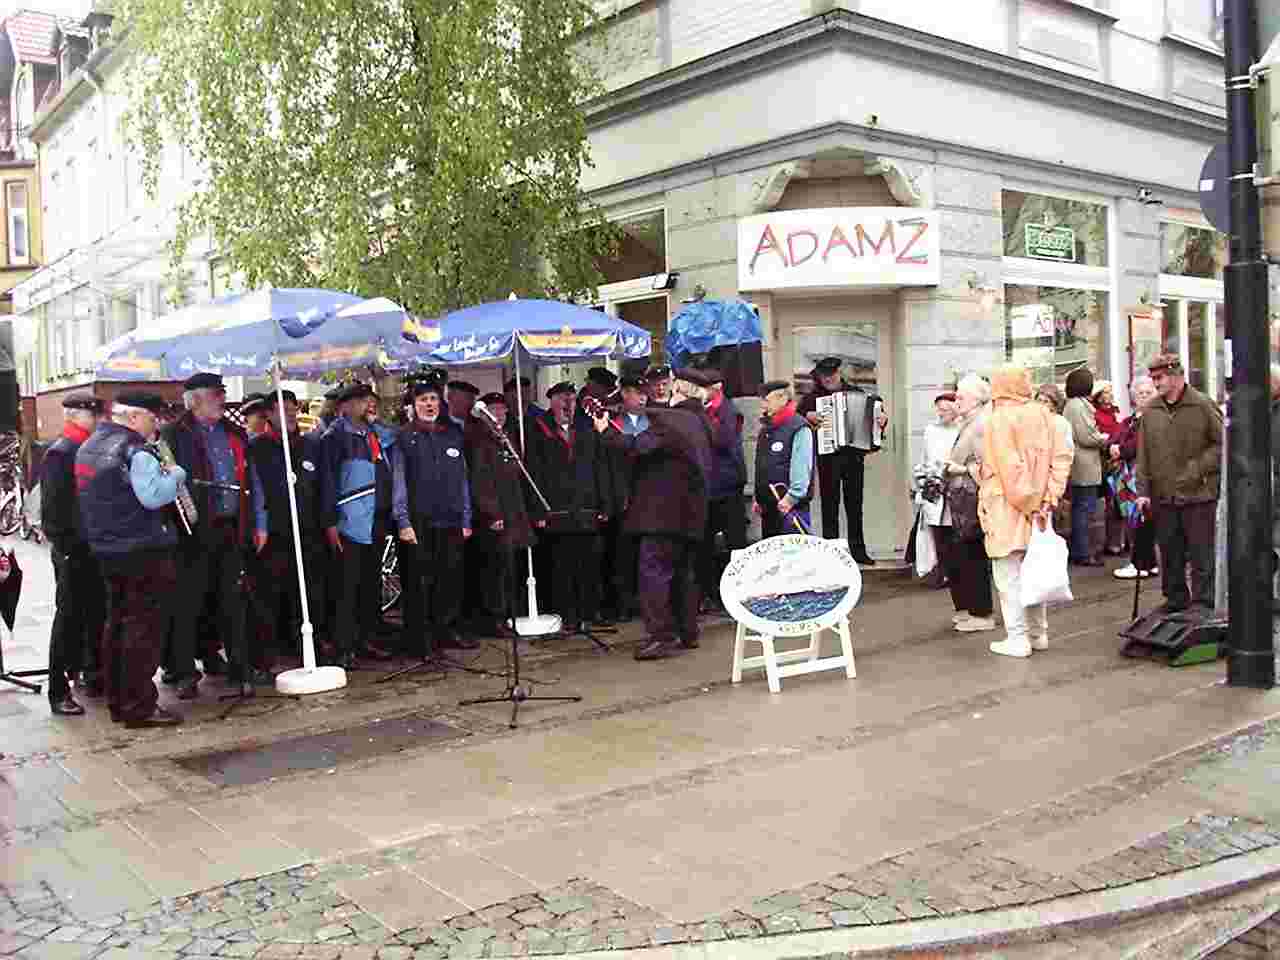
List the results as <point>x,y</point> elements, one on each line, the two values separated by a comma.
<point>1179,461</point>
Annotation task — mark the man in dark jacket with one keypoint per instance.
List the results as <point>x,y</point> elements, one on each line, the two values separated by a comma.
<point>431,505</point>
<point>725,509</point>
<point>276,597</point>
<point>567,464</point>
<point>214,453</point>
<point>843,471</point>
<point>667,510</point>
<point>125,495</point>
<point>78,618</point>
<point>1179,462</point>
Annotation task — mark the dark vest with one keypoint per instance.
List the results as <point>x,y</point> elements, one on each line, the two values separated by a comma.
<point>115,522</point>
<point>773,466</point>
<point>267,456</point>
<point>435,481</point>
<point>60,507</point>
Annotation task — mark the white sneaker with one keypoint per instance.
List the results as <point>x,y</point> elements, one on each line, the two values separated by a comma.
<point>962,615</point>
<point>1129,572</point>
<point>1011,648</point>
<point>1151,573</point>
<point>976,624</point>
<point>1039,643</point>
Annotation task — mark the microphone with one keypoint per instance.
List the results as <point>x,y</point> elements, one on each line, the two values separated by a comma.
<point>480,408</point>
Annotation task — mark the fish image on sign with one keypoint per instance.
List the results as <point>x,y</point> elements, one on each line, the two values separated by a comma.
<point>791,585</point>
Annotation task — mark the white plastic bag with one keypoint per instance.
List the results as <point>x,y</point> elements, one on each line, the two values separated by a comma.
<point>1044,577</point>
<point>926,548</point>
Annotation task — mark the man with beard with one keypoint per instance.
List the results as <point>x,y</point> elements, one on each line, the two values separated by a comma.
<point>278,604</point>
<point>567,464</point>
<point>78,618</point>
<point>125,496</point>
<point>431,504</point>
<point>357,461</point>
<point>500,514</point>
<point>667,511</point>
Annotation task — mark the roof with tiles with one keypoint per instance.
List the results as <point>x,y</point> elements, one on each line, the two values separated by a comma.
<point>31,33</point>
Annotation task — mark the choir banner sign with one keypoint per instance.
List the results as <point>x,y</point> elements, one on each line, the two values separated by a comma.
<point>839,247</point>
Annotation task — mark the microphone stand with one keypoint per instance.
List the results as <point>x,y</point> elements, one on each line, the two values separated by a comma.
<point>516,692</point>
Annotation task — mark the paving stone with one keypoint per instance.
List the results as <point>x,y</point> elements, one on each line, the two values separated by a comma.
<point>67,934</point>
<point>37,928</point>
<point>916,909</point>
<point>496,948</point>
<point>332,932</point>
<point>563,905</point>
<point>13,942</point>
<point>499,911</point>
<point>813,921</point>
<point>628,939</point>
<point>532,918</point>
<point>280,951</point>
<point>850,899</point>
<point>880,912</point>
<point>526,902</point>
<point>850,918</point>
<point>248,948</point>
<point>395,953</point>
<point>781,923</point>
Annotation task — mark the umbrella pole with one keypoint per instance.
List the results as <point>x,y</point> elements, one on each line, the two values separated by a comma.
<point>310,678</point>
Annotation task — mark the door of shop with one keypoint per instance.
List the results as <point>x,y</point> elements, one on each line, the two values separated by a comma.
<point>859,330</point>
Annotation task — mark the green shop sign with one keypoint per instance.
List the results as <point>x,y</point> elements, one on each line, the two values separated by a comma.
<point>1050,243</point>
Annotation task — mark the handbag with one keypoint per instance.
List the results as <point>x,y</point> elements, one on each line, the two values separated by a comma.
<point>962,498</point>
<point>1044,577</point>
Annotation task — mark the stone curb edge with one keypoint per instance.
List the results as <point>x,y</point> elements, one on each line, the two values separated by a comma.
<point>1030,924</point>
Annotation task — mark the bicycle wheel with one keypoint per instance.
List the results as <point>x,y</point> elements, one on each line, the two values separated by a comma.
<point>10,517</point>
<point>390,575</point>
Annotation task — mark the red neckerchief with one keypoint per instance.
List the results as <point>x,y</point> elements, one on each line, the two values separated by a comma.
<point>375,448</point>
<point>783,415</point>
<point>74,432</point>
<point>557,432</point>
<point>428,426</point>
<point>713,408</point>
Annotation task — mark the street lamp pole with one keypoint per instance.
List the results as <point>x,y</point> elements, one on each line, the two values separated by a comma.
<point>1251,661</point>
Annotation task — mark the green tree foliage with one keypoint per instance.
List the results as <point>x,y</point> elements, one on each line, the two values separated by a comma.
<point>426,150</point>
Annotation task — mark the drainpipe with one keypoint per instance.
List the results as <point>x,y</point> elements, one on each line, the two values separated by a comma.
<point>1251,657</point>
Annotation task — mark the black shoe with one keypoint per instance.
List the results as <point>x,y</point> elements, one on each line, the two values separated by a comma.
<point>90,685</point>
<point>347,661</point>
<point>1170,608</point>
<point>66,706</point>
<point>188,688</point>
<point>603,622</point>
<point>864,561</point>
<point>656,649</point>
<point>169,678</point>
<point>453,640</point>
<point>253,676</point>
<point>690,643</point>
<point>159,718</point>
<point>372,651</point>
<point>214,665</point>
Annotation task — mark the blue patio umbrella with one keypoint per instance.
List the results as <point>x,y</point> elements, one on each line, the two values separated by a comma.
<point>702,326</point>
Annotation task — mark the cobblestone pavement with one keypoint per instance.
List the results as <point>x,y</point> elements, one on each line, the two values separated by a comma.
<point>302,912</point>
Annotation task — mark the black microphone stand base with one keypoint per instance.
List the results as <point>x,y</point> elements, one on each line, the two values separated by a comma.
<point>13,678</point>
<point>248,694</point>
<point>592,634</point>
<point>516,695</point>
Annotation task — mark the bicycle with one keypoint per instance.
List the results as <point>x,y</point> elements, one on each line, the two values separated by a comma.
<point>13,515</point>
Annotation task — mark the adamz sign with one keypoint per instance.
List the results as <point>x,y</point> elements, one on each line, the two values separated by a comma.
<point>840,247</point>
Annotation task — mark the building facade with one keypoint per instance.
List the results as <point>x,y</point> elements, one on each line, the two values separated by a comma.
<point>924,190</point>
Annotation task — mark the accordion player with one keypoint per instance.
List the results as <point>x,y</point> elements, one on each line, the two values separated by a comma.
<point>852,419</point>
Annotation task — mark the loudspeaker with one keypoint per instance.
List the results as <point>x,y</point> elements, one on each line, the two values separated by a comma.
<point>1181,639</point>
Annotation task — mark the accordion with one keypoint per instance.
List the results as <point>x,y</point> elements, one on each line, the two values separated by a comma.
<point>850,419</point>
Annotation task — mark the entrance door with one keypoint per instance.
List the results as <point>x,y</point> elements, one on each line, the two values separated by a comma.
<point>859,331</point>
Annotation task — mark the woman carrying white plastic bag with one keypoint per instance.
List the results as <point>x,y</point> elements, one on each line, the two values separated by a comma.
<point>1044,568</point>
<point>1025,468</point>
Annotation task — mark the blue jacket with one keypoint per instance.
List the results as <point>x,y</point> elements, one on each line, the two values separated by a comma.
<point>349,472</point>
<point>122,491</point>
<point>430,477</point>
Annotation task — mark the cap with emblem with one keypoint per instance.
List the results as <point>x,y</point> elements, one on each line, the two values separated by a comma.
<point>690,375</point>
<point>603,376</point>
<point>205,381</point>
<point>632,381</point>
<point>82,401</point>
<point>464,386</point>
<point>1165,361</point>
<point>772,385</point>
<point>659,372</point>
<point>355,391</point>
<point>525,384</point>
<point>827,366</point>
<point>253,403</point>
<point>266,401</point>
<point>564,386</point>
<point>489,399</point>
<point>429,385</point>
<point>151,402</point>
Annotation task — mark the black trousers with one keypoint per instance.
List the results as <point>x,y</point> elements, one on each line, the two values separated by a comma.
<point>502,571</point>
<point>210,564</point>
<point>575,575</point>
<point>612,598</point>
<point>138,588</point>
<point>842,474</point>
<point>434,589</point>
<point>727,514</point>
<point>78,620</point>
<point>1186,533</point>
<point>626,563</point>
<point>669,594</point>
<point>968,572</point>
<point>277,606</point>
<point>359,601</point>
<point>1144,544</point>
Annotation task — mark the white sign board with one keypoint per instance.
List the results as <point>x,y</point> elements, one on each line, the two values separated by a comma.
<point>839,247</point>
<point>791,585</point>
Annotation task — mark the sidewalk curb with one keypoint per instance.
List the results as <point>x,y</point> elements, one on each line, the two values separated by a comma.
<point>1041,922</point>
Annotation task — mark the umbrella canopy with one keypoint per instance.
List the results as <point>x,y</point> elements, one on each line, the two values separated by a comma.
<point>547,330</point>
<point>702,326</point>
<point>308,331</point>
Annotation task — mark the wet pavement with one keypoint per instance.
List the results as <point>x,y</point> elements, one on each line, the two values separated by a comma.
<point>669,807</point>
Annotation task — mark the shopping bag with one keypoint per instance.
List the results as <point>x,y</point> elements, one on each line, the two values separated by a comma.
<point>1044,577</point>
<point>926,549</point>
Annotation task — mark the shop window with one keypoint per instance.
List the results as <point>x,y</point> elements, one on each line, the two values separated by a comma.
<point>642,250</point>
<point>1050,228</point>
<point>1192,251</point>
<point>15,196</point>
<point>1054,330</point>
<point>652,315</point>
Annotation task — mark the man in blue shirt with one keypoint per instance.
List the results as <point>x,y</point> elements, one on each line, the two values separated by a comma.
<point>124,496</point>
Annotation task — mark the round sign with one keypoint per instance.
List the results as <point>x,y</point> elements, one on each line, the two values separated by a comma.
<point>791,585</point>
<point>1215,189</point>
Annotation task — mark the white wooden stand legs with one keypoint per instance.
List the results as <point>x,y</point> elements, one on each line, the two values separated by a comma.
<point>790,663</point>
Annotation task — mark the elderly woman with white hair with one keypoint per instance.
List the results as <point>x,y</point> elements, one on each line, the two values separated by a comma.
<point>965,559</point>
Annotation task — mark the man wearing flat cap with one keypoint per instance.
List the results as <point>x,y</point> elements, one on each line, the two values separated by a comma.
<point>355,510</point>
<point>255,408</point>
<point>431,505</point>
<point>80,601</point>
<point>569,467</point>
<point>214,453</point>
<point>843,471</point>
<point>277,602</point>
<point>523,405</point>
<point>1179,462</point>
<point>125,497</point>
<point>726,513</point>
<point>461,398</point>
<point>657,380</point>
<point>784,464</point>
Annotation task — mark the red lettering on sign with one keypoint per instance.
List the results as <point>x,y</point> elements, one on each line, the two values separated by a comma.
<point>838,239</point>
<point>922,227</point>
<point>768,243</point>
<point>791,249</point>
<point>886,234</point>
